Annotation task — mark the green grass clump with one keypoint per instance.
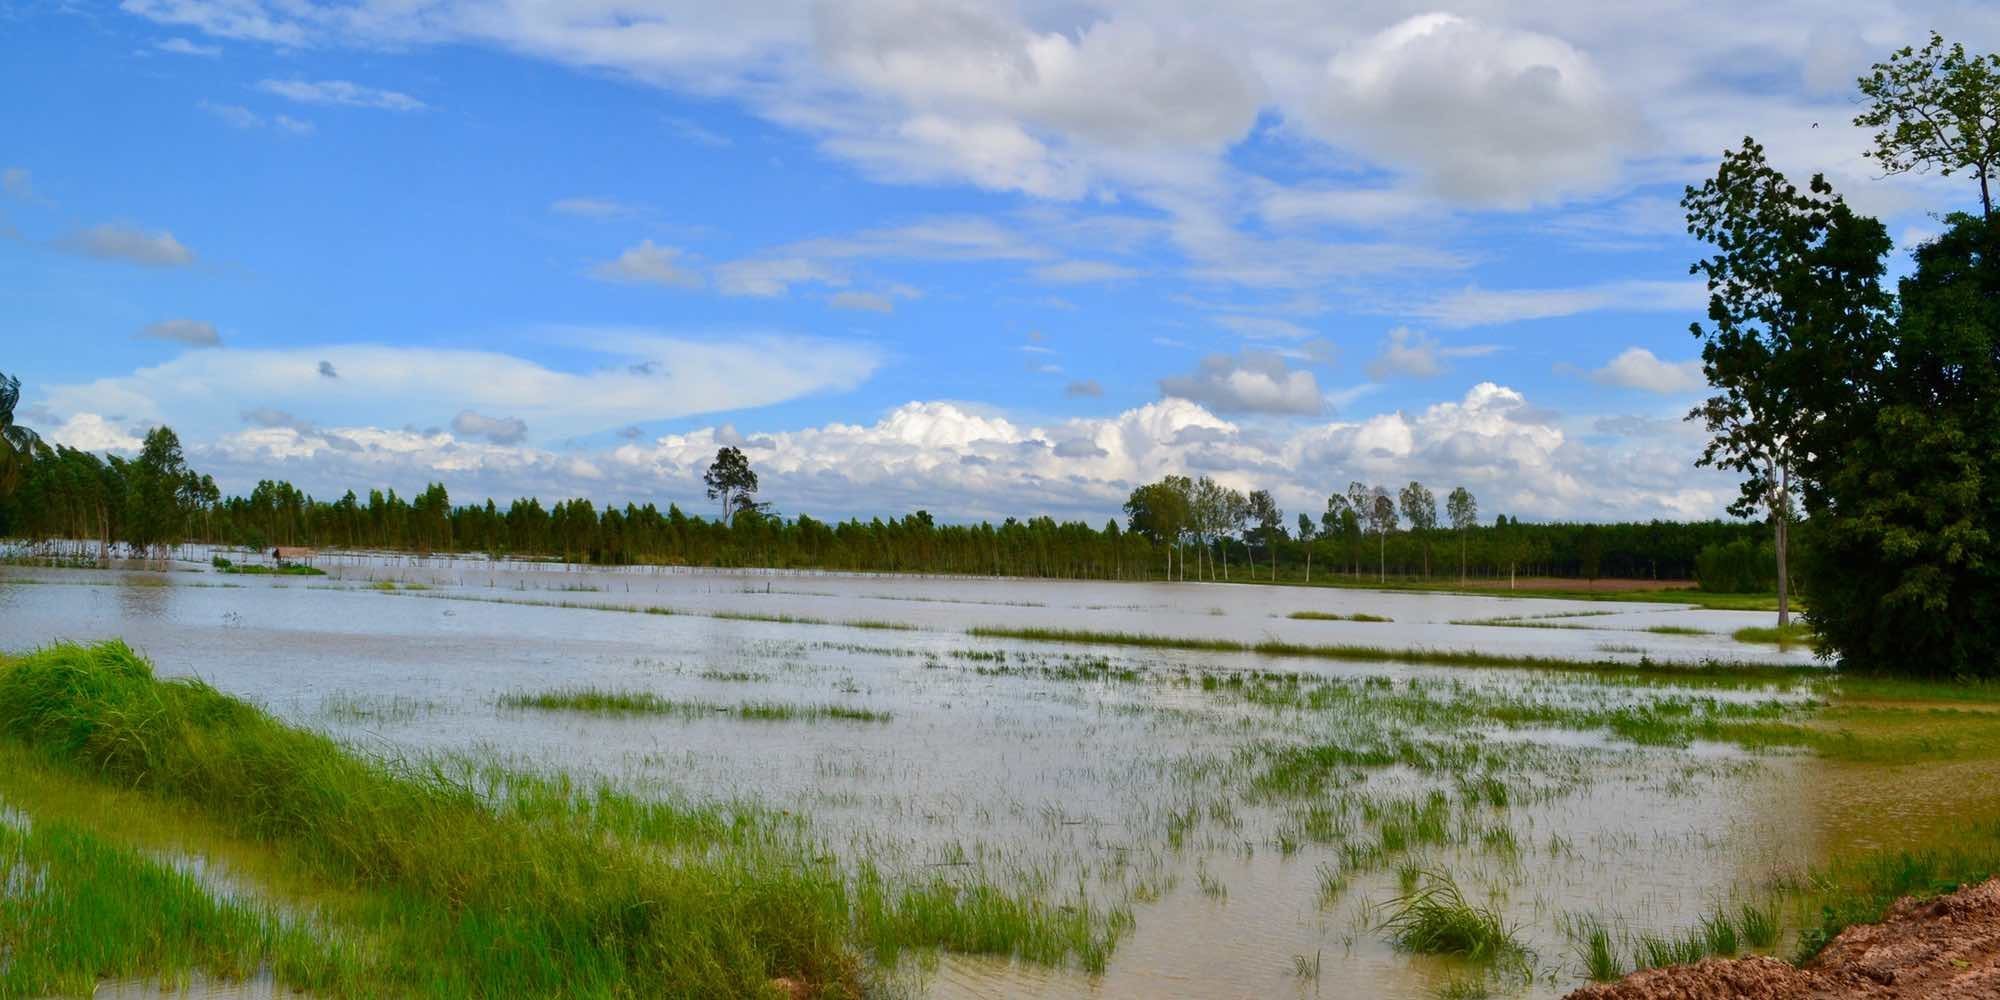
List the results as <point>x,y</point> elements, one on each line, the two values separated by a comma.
<point>498,884</point>
<point>1759,925</point>
<point>1327,616</point>
<point>1436,919</point>
<point>281,569</point>
<point>1795,634</point>
<point>75,909</point>
<point>602,701</point>
<point>1675,630</point>
<point>1600,955</point>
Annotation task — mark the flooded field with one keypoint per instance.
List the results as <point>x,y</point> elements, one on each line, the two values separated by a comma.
<point>1238,824</point>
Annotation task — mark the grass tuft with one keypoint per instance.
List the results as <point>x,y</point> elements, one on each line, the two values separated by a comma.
<point>1436,919</point>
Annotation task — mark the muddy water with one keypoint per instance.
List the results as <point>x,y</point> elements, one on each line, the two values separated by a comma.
<point>997,757</point>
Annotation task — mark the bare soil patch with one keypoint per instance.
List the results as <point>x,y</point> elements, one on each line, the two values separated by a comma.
<point>1929,949</point>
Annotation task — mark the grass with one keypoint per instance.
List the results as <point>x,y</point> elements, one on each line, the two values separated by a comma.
<point>1327,616</point>
<point>1674,630</point>
<point>1378,654</point>
<point>1860,890</point>
<point>1600,955</point>
<point>1795,634</point>
<point>477,881</point>
<point>282,569</point>
<point>1436,919</point>
<point>610,702</point>
<point>77,909</point>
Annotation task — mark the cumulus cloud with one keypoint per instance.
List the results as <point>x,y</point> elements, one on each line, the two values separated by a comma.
<point>960,462</point>
<point>649,264</point>
<point>1529,116</point>
<point>91,432</point>
<point>498,430</point>
<point>191,332</point>
<point>117,241</point>
<point>1416,354</point>
<point>1638,368</point>
<point>340,92</point>
<point>1253,382</point>
<point>642,376</point>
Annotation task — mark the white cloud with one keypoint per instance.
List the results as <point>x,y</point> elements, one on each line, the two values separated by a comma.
<point>1481,307</point>
<point>183,47</point>
<point>191,332</point>
<point>91,432</point>
<point>863,301</point>
<point>498,430</point>
<point>117,241</point>
<point>1479,112</point>
<point>340,92</point>
<point>592,208</point>
<point>771,277</point>
<point>1263,327</point>
<point>16,182</point>
<point>643,377</point>
<point>1253,382</point>
<point>1077,272</point>
<point>649,264</point>
<point>960,462</point>
<point>1416,354</point>
<point>1086,388</point>
<point>1638,368</point>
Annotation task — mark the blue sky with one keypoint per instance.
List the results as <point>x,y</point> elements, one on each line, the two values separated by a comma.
<point>984,259</point>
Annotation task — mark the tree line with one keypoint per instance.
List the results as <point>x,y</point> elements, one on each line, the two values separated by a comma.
<point>155,500</point>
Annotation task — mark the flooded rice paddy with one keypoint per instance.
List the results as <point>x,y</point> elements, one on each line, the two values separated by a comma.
<point>1244,819</point>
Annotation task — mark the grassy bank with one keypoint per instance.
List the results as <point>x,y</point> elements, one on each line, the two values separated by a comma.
<point>462,879</point>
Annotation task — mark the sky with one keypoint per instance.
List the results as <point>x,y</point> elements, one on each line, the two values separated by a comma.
<point>985,260</point>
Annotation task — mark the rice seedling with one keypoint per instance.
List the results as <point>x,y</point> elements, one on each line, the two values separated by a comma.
<point>1436,919</point>
<point>1459,988</point>
<point>1657,951</point>
<point>1600,955</point>
<point>609,702</point>
<point>1307,969</point>
<point>1674,630</point>
<point>1759,925</point>
<point>1719,936</point>
<point>1327,616</point>
<point>1791,635</point>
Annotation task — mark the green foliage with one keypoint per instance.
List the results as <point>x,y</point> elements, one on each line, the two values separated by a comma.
<point>1739,567</point>
<point>1436,919</point>
<point>1936,109</point>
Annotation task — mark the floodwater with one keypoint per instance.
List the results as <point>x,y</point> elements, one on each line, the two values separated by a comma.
<point>1130,775</point>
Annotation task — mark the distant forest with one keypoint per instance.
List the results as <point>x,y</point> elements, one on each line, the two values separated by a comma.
<point>155,500</point>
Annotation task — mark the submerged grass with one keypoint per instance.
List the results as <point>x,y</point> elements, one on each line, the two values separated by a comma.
<point>610,702</point>
<point>1795,634</point>
<point>1328,616</point>
<point>490,884</point>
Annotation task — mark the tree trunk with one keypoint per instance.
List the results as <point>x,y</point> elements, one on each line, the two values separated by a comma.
<point>1783,530</point>
<point>1382,557</point>
<point>1309,562</point>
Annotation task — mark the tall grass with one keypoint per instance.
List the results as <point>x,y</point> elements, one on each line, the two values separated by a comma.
<point>530,888</point>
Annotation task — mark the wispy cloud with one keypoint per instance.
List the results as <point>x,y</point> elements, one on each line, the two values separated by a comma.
<point>340,92</point>
<point>649,264</point>
<point>118,241</point>
<point>191,332</point>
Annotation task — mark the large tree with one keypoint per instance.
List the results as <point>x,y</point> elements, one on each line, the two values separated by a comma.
<point>1794,284</point>
<point>1936,108</point>
<point>18,444</point>
<point>1382,521</point>
<point>731,480</point>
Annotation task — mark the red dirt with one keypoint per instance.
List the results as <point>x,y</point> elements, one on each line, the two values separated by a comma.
<point>1932,949</point>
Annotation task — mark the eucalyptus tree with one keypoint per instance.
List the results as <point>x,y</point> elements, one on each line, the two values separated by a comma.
<point>1420,508</point>
<point>1306,539</point>
<point>1936,108</point>
<point>1333,521</point>
<point>1382,521</point>
<point>1269,519</point>
<point>1464,513</point>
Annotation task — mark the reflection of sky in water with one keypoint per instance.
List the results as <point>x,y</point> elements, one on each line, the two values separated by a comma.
<point>1069,779</point>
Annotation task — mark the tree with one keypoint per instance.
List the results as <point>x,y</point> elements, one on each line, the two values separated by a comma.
<point>1382,521</point>
<point>1235,515</point>
<point>1306,537</point>
<point>1159,511</point>
<point>1361,501</point>
<point>1333,522</point>
<point>1936,108</point>
<point>1794,284</point>
<point>154,501</point>
<point>1265,513</point>
<point>731,480</point>
<point>1420,508</point>
<point>1464,513</point>
<point>18,444</point>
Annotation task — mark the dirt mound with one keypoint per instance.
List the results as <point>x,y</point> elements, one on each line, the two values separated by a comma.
<point>1947,947</point>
